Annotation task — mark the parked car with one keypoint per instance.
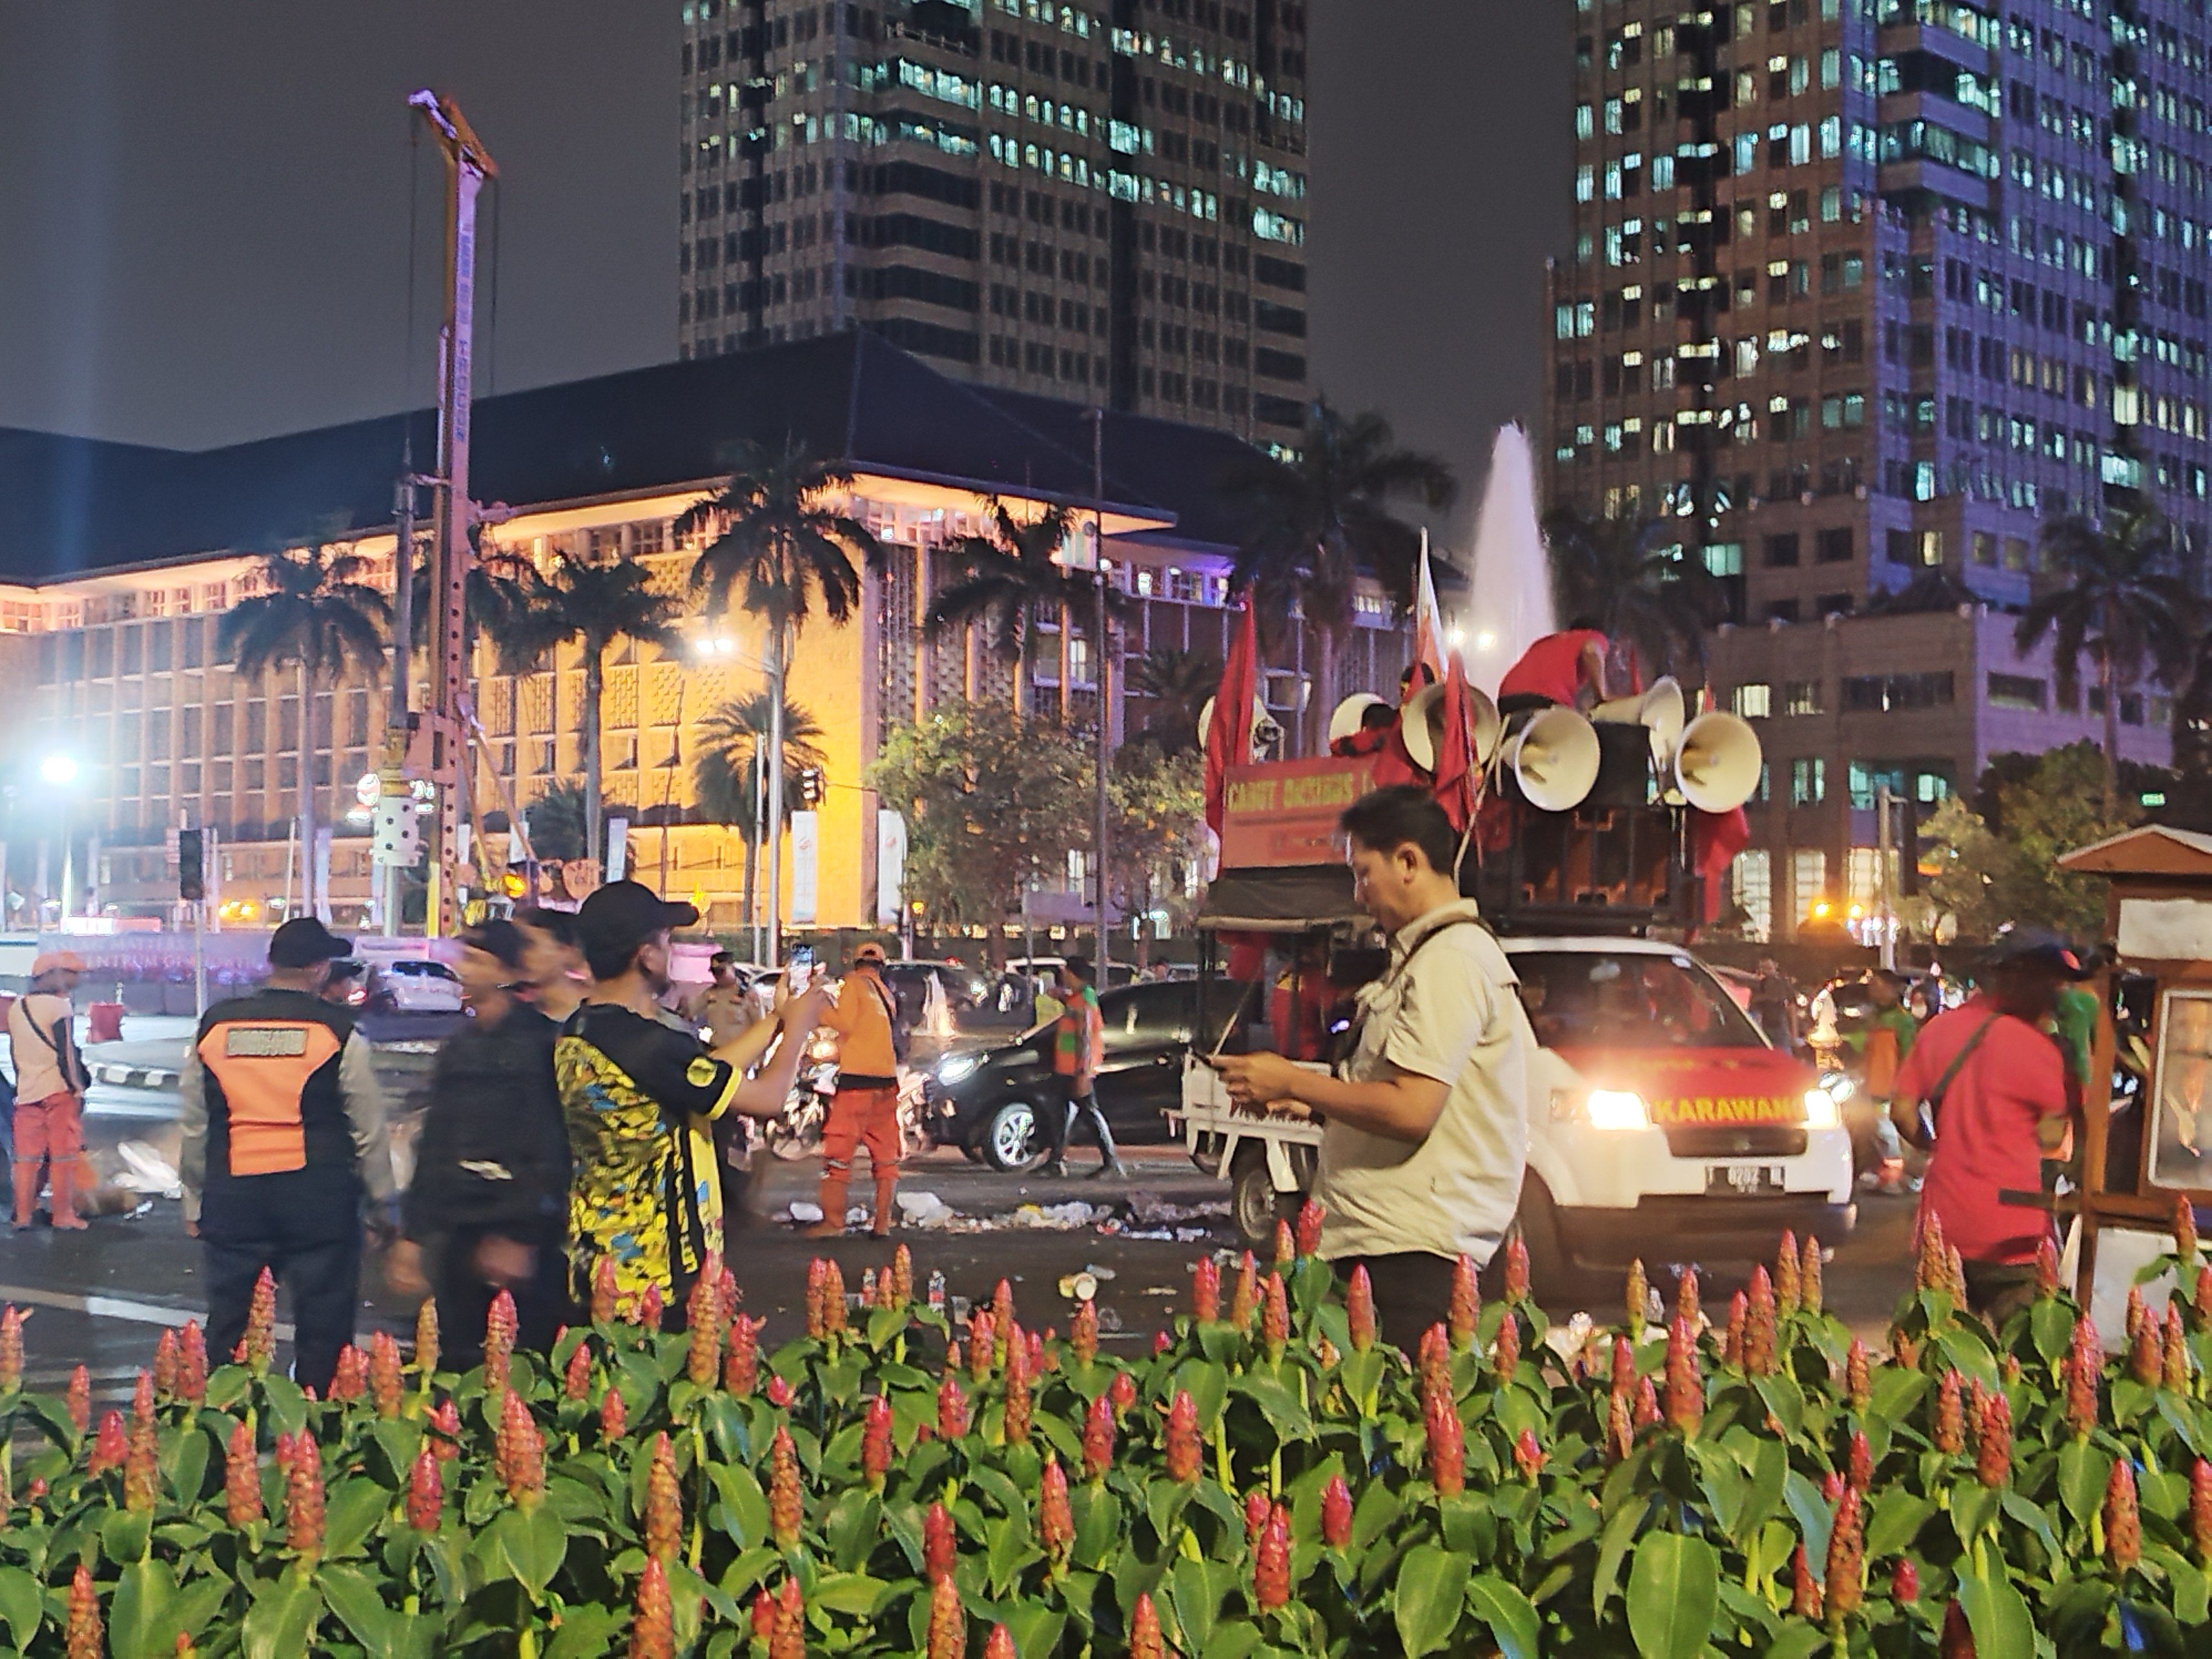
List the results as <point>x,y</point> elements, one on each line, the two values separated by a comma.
<point>985,1101</point>
<point>909,980</point>
<point>412,985</point>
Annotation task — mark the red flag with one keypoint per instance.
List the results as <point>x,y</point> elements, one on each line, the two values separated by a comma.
<point>1714,840</point>
<point>1427,667</point>
<point>1458,783</point>
<point>1229,732</point>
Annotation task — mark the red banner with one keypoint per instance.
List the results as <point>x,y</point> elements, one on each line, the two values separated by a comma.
<point>1285,812</point>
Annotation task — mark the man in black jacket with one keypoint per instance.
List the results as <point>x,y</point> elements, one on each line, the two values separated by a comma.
<point>487,1209</point>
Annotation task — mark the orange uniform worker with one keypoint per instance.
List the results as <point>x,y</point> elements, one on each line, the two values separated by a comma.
<point>49,1080</point>
<point>863,1112</point>
<point>1566,668</point>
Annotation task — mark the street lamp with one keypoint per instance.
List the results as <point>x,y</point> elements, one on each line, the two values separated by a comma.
<point>58,769</point>
<point>61,771</point>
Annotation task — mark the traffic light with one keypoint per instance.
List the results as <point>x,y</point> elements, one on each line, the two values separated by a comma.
<point>192,866</point>
<point>812,786</point>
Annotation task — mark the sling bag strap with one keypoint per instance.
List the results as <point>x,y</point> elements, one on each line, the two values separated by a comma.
<point>1932,1102</point>
<point>62,1060</point>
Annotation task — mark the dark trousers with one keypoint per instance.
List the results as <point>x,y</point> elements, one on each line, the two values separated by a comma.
<point>1412,1291</point>
<point>464,1298</point>
<point>318,1274</point>
<point>1062,1114</point>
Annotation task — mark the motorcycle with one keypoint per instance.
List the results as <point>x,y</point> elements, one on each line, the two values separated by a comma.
<point>798,1132</point>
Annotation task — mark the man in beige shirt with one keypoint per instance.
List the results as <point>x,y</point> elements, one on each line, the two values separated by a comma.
<point>1426,1132</point>
<point>49,1082</point>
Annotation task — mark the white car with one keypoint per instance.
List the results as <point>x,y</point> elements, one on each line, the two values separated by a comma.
<point>413,986</point>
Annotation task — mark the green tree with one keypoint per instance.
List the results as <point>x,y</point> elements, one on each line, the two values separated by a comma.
<point>1634,576</point>
<point>315,613</point>
<point>778,543</point>
<point>597,604</point>
<point>557,817</point>
<point>2001,865</point>
<point>1004,576</point>
<point>1177,683</point>
<point>732,745</point>
<point>1156,823</point>
<point>992,804</point>
<point>2122,605</point>
<point>1312,526</point>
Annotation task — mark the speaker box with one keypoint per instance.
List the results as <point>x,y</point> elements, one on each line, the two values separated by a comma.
<point>1623,766</point>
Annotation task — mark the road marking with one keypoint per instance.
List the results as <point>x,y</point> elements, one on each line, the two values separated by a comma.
<point>114,1307</point>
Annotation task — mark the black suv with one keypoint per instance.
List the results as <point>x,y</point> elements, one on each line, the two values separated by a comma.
<point>986,1103</point>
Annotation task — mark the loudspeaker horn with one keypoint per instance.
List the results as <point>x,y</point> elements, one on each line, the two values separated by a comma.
<point>1554,758</point>
<point>1266,732</point>
<point>1660,711</point>
<point>1422,725</point>
<point>1344,721</point>
<point>1717,768</point>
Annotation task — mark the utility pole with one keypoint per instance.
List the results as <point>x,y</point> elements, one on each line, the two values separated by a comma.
<point>1101,671</point>
<point>1884,902</point>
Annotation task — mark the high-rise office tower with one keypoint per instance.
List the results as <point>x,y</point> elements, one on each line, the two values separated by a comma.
<point>1103,202</point>
<point>1866,290</point>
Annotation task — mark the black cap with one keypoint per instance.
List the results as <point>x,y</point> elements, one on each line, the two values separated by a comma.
<point>303,941</point>
<point>497,938</point>
<point>2039,945</point>
<point>622,915</point>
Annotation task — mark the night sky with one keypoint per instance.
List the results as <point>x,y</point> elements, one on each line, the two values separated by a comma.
<point>204,210</point>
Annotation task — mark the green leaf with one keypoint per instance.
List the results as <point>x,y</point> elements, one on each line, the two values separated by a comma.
<point>1034,1626</point>
<point>1895,1391</point>
<point>1770,1471</point>
<point>1288,1418</point>
<point>1998,1616</point>
<point>21,1606</point>
<point>1508,1612</point>
<point>1620,1533</point>
<point>282,1618</point>
<point>124,1535</point>
<point>360,1606</point>
<point>355,1508</point>
<point>1198,1595</point>
<point>2082,1471</point>
<point>142,1619</point>
<point>1800,1639</point>
<point>745,1502</point>
<point>1810,1511</point>
<point>847,1592</point>
<point>1673,1589</point>
<point>1372,1515</point>
<point>534,1543</point>
<point>585,1632</point>
<point>1785,1400</point>
<point>1425,1602</point>
<point>2051,1324</point>
<point>1899,1514</point>
<point>1973,1506</point>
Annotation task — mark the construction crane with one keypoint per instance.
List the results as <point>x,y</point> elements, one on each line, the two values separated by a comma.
<point>433,745</point>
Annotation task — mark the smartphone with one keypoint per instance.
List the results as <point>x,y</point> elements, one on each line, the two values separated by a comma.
<point>800,973</point>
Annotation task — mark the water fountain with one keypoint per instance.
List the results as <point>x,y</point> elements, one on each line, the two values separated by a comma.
<point>1509,597</point>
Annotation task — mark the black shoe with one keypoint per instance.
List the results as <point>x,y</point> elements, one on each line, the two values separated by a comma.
<point>1056,1168</point>
<point>1112,1166</point>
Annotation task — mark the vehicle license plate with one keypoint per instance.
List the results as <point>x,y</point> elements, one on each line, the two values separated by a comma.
<point>1734,1180</point>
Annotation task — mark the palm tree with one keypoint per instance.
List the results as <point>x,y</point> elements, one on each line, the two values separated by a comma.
<point>314,612</point>
<point>557,817</point>
<point>2123,603</point>
<point>1005,574</point>
<point>728,771</point>
<point>1178,682</point>
<point>597,604</point>
<point>782,544</point>
<point>1635,577</point>
<point>1312,527</point>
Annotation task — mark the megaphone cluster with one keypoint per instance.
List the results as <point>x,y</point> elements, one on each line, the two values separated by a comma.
<point>1266,731</point>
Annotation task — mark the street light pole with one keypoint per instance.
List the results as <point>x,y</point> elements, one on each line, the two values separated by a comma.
<point>1100,670</point>
<point>775,667</point>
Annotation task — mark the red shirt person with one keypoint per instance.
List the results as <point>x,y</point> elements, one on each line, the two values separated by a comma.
<point>2005,1108</point>
<point>1559,667</point>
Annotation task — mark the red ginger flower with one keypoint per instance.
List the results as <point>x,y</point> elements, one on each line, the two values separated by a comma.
<point>1993,1448</point>
<point>576,1378</point>
<point>703,1312</point>
<point>1831,1485</point>
<point>604,1299</point>
<point>999,1644</point>
<point>1309,1220</point>
<point>1466,1309</point>
<point>1123,1393</point>
<point>1018,1394</point>
<point>1516,1270</point>
<point>941,1545</point>
<point>385,1374</point>
<point>787,1640</point>
<point>1858,1471</point>
<point>1083,1332</point>
<point>1950,1434</point>
<point>1844,1582</point>
<point>1271,1562</point>
<point>2146,1353</point>
<point>1205,1291</point>
<point>85,1636</point>
<point>108,1446</point>
<point>1036,1344</point>
<point>2046,1269</point>
<point>1685,1297</point>
<point>1360,1310</point>
<point>1647,1403</point>
<point>425,1341</point>
<point>1286,1249</point>
<point>260,1338</point>
<point>303,1497</point>
<point>763,1614</point>
<point>1275,1318</point>
<point>1145,1641</point>
<point>876,1449</point>
<point>951,1409</point>
<point>1903,1349</point>
<point>1447,1444</point>
<point>1624,1368</point>
<point>1433,1362</point>
<point>1958,1639</point>
<point>2084,1366</point>
<point>779,1393</point>
<point>981,1345</point>
<point>1685,1389</point>
<point>1002,1318</point>
<point>1256,1506</point>
<point>741,1356</point>
<point>1858,1381</point>
<point>165,1363</point>
<point>787,1511</point>
<point>650,1307</point>
<point>519,1453</point>
<point>142,1465</point>
<point>1810,1291</point>
<point>2185,1230</point>
<point>663,1499</point>
<point>1931,1270</point>
<point>2136,1312</point>
<point>1759,1336</point>
<point>2123,1521</point>
<point>948,1624</point>
<point>1183,1447</point>
<point>1528,1456</point>
<point>78,1399</point>
<point>1636,1300</point>
<point>1785,1273</point>
<point>1732,1338</point>
<point>1098,1439</point>
<point>833,1299</point>
<point>242,1478</point>
<point>2174,1371</point>
<point>447,1422</point>
<point>2200,1510</point>
<point>349,1381</point>
<point>653,1631</point>
<point>498,1342</point>
<point>1619,1429</point>
<point>816,1319</point>
<point>425,1492</point>
<point>1905,1583</point>
<point>191,1364</point>
<point>1336,1513</point>
<point>1804,1591</point>
<point>1055,1520</point>
<point>11,1350</point>
<point>614,1417</point>
<point>902,1290</point>
<point>2204,1295</point>
<point>1506,1356</point>
<point>1245,1299</point>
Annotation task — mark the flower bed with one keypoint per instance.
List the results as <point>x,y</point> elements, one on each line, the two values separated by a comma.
<point>1270,1480</point>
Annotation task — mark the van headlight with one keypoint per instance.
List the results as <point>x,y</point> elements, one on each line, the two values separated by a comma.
<point>1616,1108</point>
<point>953,1067</point>
<point>1820,1108</point>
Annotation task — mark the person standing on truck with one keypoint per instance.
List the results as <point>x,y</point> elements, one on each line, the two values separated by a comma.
<point>50,1082</point>
<point>863,1112</point>
<point>1998,1088</point>
<point>1566,669</point>
<point>1425,1132</point>
<point>284,1138</point>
